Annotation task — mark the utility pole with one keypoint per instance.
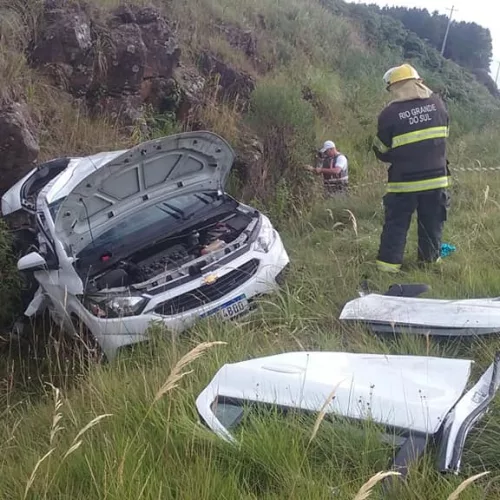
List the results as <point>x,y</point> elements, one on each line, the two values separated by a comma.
<point>498,72</point>
<point>447,29</point>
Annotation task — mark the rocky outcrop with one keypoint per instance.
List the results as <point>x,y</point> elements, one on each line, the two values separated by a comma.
<point>119,64</point>
<point>163,52</point>
<point>125,108</point>
<point>64,47</point>
<point>191,85</point>
<point>18,143</point>
<point>125,60</point>
<point>241,39</point>
<point>112,62</point>
<point>232,82</point>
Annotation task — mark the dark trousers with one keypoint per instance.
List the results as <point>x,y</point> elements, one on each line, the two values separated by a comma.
<point>432,209</point>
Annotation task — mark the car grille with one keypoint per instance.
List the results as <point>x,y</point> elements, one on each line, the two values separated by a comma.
<point>209,293</point>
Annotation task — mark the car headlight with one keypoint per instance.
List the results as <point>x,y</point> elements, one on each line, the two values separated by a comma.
<point>266,238</point>
<point>115,307</point>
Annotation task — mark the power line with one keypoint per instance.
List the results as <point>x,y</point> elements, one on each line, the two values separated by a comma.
<point>448,28</point>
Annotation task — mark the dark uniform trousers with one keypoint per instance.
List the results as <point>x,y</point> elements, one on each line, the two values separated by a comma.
<point>432,209</point>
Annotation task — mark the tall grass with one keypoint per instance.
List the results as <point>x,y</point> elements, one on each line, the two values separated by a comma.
<point>147,450</point>
<point>130,430</point>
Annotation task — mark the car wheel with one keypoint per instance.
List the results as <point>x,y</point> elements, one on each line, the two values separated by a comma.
<point>87,344</point>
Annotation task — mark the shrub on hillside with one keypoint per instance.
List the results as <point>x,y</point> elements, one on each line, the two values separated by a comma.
<point>285,122</point>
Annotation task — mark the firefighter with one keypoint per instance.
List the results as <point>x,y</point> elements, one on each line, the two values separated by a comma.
<point>333,168</point>
<point>411,137</point>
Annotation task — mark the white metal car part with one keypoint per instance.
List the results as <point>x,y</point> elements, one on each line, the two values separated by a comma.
<point>421,398</point>
<point>401,310</point>
<point>147,234</point>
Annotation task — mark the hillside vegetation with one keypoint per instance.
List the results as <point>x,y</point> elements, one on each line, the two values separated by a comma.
<point>468,44</point>
<point>79,432</point>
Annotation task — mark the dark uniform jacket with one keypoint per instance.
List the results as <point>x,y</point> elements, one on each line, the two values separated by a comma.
<point>411,137</point>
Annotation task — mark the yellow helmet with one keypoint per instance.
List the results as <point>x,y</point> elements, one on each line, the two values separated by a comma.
<point>399,74</point>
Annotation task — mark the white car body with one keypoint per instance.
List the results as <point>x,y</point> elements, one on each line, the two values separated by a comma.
<point>389,313</point>
<point>84,200</point>
<point>417,397</point>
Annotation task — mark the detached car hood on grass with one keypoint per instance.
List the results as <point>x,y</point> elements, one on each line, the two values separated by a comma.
<point>167,166</point>
<point>415,395</point>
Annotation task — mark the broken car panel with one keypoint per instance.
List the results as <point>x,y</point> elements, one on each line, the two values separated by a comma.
<point>423,399</point>
<point>401,310</point>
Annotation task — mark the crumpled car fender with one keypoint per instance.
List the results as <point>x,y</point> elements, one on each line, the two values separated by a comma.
<point>37,304</point>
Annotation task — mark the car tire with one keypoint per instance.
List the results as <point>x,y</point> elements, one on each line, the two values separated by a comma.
<point>87,345</point>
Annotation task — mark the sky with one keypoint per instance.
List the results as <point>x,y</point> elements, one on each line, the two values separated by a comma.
<point>483,12</point>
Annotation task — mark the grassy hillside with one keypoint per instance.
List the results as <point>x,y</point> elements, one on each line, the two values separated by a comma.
<point>318,71</point>
<point>157,450</point>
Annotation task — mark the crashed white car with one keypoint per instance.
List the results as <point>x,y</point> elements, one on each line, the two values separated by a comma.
<point>422,400</point>
<point>402,310</point>
<point>127,237</point>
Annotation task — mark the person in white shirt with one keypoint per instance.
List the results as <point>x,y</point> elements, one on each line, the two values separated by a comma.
<point>334,168</point>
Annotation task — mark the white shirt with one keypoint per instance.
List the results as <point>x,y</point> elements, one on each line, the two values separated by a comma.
<point>341,162</point>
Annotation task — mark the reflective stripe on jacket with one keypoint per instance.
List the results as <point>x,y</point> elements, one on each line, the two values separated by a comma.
<point>412,136</point>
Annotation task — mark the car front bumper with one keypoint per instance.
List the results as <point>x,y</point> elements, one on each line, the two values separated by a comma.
<point>115,333</point>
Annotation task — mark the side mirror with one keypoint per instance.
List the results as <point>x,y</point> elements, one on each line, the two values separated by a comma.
<point>32,262</point>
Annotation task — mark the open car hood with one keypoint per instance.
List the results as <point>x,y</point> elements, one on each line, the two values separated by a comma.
<point>156,169</point>
<point>415,395</point>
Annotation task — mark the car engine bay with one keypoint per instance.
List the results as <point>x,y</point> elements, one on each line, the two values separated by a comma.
<point>177,255</point>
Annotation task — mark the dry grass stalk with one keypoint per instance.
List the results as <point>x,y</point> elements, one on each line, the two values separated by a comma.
<point>33,474</point>
<point>177,372</point>
<point>91,424</point>
<point>57,417</point>
<point>465,484</point>
<point>298,342</point>
<point>322,412</point>
<point>353,220</point>
<point>486,194</point>
<point>366,490</point>
<point>72,449</point>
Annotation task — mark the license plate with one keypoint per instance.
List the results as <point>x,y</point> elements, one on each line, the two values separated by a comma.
<point>230,309</point>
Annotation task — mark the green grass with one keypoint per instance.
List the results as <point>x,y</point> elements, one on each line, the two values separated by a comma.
<point>147,449</point>
<point>142,449</point>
